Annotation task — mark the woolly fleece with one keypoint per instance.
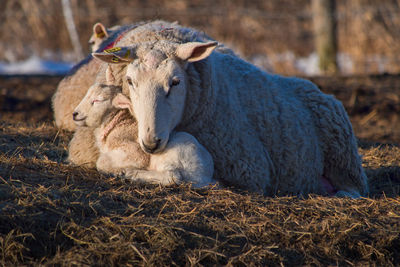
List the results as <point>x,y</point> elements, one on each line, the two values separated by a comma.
<point>266,133</point>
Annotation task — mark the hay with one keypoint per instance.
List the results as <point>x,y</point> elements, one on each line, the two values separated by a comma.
<point>52,213</point>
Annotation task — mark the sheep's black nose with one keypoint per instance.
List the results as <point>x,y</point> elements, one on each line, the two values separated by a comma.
<point>150,148</point>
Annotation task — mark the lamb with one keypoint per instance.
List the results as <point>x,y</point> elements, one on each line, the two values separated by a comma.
<point>112,129</point>
<point>74,86</point>
<point>266,133</point>
<point>105,109</point>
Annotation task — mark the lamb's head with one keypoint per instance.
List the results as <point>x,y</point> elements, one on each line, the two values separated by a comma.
<point>157,85</point>
<point>97,103</point>
<point>93,107</point>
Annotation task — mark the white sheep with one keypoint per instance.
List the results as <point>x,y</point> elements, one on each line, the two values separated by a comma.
<point>266,133</point>
<point>105,110</point>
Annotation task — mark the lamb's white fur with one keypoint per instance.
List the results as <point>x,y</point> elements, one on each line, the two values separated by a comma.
<point>115,131</point>
<point>266,133</point>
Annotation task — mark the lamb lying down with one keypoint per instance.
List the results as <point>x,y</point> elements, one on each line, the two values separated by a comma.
<point>115,131</point>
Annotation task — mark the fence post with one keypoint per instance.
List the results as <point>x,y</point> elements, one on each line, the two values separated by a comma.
<point>325,34</point>
<point>73,34</point>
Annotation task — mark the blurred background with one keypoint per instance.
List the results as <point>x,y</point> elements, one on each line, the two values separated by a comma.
<point>280,36</point>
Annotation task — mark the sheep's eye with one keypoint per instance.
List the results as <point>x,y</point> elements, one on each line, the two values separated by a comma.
<point>175,81</point>
<point>129,80</point>
<point>97,101</point>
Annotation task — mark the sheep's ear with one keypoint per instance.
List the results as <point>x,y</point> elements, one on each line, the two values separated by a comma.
<point>116,55</point>
<point>195,51</point>
<point>99,31</point>
<point>120,101</point>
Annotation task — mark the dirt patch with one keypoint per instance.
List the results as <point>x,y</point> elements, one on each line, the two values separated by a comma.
<point>52,213</point>
<point>27,98</point>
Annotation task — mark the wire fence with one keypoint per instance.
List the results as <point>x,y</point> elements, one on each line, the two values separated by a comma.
<point>368,31</point>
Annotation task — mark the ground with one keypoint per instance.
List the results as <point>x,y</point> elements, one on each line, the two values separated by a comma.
<point>52,213</point>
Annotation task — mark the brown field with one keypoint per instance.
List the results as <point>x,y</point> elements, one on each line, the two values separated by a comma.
<point>52,213</point>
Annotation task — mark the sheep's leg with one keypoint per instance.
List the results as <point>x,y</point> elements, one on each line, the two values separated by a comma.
<point>105,164</point>
<point>186,158</point>
<point>118,160</point>
<point>154,177</point>
<point>342,165</point>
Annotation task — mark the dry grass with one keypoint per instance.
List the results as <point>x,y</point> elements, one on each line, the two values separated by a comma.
<point>52,213</point>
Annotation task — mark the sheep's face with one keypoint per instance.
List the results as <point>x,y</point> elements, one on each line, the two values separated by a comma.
<point>94,106</point>
<point>157,100</point>
<point>156,74</point>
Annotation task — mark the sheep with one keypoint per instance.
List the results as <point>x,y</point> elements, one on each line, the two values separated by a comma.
<point>105,109</point>
<point>266,133</point>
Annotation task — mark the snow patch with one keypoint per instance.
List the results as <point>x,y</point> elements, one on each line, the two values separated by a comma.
<point>308,65</point>
<point>304,65</point>
<point>35,65</point>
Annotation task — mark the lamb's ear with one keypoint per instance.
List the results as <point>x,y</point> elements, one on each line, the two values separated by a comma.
<point>99,31</point>
<point>195,51</point>
<point>110,78</point>
<point>120,101</point>
<point>117,55</point>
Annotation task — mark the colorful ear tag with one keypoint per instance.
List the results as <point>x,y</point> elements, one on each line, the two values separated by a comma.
<point>100,35</point>
<point>128,53</point>
<point>115,59</point>
<point>112,50</point>
<point>118,54</point>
